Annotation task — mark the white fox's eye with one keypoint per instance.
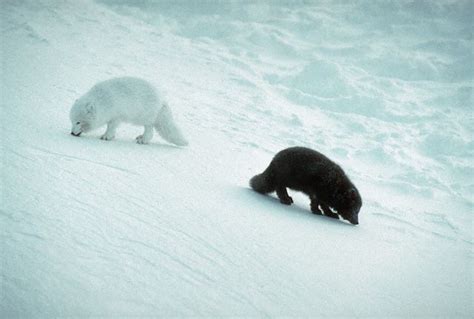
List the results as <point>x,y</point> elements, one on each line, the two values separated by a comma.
<point>78,123</point>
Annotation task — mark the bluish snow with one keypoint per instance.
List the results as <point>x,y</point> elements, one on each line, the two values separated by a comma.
<point>96,228</point>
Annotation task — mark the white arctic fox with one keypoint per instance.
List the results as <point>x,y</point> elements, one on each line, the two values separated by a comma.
<point>125,99</point>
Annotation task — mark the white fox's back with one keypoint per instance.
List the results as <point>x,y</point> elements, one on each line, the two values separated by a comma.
<point>128,99</point>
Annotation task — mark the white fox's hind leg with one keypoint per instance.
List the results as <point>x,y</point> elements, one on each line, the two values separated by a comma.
<point>110,132</point>
<point>146,137</point>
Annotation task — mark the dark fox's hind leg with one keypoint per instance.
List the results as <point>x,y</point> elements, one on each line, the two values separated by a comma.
<point>283,195</point>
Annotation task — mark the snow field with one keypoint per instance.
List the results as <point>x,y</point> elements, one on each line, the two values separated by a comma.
<point>94,228</point>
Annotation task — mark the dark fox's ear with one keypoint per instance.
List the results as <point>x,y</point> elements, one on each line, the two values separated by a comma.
<point>352,193</point>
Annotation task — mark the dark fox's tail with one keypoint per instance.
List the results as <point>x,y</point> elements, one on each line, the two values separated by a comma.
<point>263,183</point>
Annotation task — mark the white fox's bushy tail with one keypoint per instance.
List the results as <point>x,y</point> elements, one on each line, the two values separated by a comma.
<point>167,128</point>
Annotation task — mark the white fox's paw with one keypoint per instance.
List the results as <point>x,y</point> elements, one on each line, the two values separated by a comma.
<point>107,137</point>
<point>142,140</point>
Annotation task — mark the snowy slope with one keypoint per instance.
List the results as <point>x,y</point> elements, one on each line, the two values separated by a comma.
<point>95,228</point>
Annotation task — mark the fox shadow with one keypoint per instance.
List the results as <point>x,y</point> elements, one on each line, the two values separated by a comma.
<point>125,142</point>
<point>296,208</point>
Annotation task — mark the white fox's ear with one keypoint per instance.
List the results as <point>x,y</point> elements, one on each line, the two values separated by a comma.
<point>90,108</point>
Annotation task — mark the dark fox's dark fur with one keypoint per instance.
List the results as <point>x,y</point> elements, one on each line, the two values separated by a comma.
<point>314,174</point>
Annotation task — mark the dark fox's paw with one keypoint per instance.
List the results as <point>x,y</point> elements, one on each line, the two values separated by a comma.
<point>315,210</point>
<point>287,201</point>
<point>331,215</point>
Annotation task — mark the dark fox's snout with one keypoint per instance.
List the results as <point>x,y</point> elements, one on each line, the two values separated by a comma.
<point>77,134</point>
<point>354,220</point>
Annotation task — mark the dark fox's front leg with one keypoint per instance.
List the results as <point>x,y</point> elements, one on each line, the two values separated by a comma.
<point>283,195</point>
<point>318,207</point>
<point>328,212</point>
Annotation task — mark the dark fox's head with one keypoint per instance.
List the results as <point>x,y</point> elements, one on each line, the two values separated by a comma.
<point>348,203</point>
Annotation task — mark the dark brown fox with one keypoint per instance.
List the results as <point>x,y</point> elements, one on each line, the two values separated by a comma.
<point>303,169</point>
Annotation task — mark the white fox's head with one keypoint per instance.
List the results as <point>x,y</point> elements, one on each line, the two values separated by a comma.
<point>83,117</point>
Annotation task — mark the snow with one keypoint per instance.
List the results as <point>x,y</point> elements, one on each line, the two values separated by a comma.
<point>97,228</point>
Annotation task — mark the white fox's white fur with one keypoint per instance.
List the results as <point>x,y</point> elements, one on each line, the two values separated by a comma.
<point>126,99</point>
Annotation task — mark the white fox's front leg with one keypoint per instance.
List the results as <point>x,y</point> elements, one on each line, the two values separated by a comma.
<point>146,137</point>
<point>110,132</point>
